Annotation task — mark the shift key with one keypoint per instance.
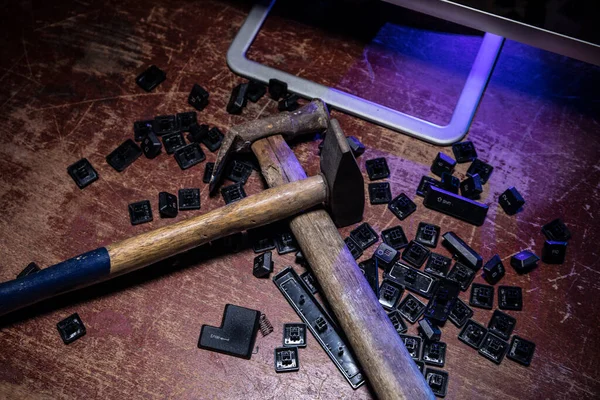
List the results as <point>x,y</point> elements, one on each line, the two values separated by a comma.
<point>456,206</point>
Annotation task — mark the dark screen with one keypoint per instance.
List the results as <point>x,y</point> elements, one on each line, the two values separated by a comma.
<point>575,18</point>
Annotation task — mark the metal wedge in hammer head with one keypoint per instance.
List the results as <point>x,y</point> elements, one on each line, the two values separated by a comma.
<point>311,118</point>
<point>345,185</point>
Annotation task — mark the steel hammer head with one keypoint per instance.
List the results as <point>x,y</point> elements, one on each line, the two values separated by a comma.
<point>311,118</point>
<point>345,185</point>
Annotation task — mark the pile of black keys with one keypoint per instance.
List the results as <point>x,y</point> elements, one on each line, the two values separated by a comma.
<point>440,282</point>
<point>434,280</point>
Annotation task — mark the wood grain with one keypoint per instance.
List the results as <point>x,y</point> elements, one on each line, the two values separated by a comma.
<point>67,90</point>
<point>262,208</point>
<point>389,368</point>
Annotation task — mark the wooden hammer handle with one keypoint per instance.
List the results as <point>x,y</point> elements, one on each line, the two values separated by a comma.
<point>389,368</point>
<point>150,247</point>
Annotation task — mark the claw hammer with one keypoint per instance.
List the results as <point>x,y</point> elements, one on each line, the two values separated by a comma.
<point>389,368</point>
<point>382,355</point>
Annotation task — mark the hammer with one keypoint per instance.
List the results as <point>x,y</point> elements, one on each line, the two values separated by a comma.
<point>150,247</point>
<point>383,357</point>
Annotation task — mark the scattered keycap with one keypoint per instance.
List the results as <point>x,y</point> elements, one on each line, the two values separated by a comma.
<point>294,335</point>
<point>456,206</point>
<point>413,345</point>
<point>414,280</point>
<point>197,133</point>
<point>390,293</point>
<point>288,103</point>
<point>186,120</point>
<point>429,331</point>
<point>501,324</point>
<point>263,265</point>
<point>262,239</point>
<point>237,100</point>
<point>286,359</point>
<point>427,234</point>
<point>239,171</point>
<point>442,302</point>
<point>402,206</point>
<point>482,296</point>
<point>380,193</point>
<point>233,193</point>
<point>364,235</point>
<point>493,270</point>
<point>510,298</point>
<point>449,183</point>
<point>399,324</point>
<point>438,265</point>
<point>524,261</point>
<point>554,252</point>
<point>213,139</point>
<point>167,205</point>
<point>189,155</point>
<point>556,230</point>
<point>354,247</point>
<point>198,97</point>
<point>151,145</point>
<point>124,155</point>
<point>471,187</point>
<point>472,334</point>
<point>189,199</point>
<point>31,268</point>
<point>442,163</point>
<point>208,170</point>
<point>172,142</point>
<point>480,168</point>
<point>150,78</point>
<point>395,237</point>
<point>425,183</point>
<point>71,328</point>
<point>277,89</point>
<point>511,201</point>
<point>141,129</point>
<point>462,251</point>
<point>437,381</point>
<point>255,91</point>
<point>415,254</point>
<point>434,353</point>
<point>521,350</point>
<point>377,168</point>
<point>464,151</point>
<point>140,212</point>
<point>285,242</point>
<point>493,348</point>
<point>164,124</point>
<point>460,313</point>
<point>82,173</point>
<point>462,274</point>
<point>411,308</point>
<point>386,256</point>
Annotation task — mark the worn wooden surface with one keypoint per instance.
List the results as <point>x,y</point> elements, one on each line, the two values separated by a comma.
<point>67,91</point>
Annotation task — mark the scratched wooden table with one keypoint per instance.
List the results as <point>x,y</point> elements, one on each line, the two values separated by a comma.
<point>67,91</point>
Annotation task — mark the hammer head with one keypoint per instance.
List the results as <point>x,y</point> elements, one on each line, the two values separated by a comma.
<point>311,118</point>
<point>345,184</point>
